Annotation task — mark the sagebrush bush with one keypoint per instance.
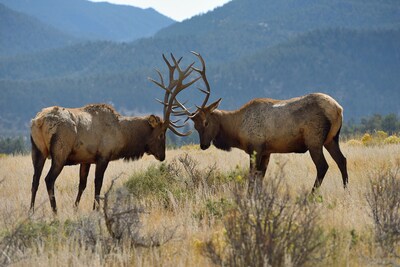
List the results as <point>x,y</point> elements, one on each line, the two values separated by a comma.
<point>354,142</point>
<point>155,180</point>
<point>271,228</point>
<point>393,139</point>
<point>179,178</point>
<point>384,202</point>
<point>376,138</point>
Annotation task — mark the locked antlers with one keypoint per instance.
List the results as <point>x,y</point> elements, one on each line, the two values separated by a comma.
<point>175,86</point>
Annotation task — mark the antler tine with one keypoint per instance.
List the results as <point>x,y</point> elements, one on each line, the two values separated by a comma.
<point>183,110</point>
<point>179,133</point>
<point>171,67</point>
<point>204,91</point>
<point>202,72</point>
<point>176,62</point>
<point>160,84</point>
<point>161,102</point>
<point>177,126</point>
<point>161,77</point>
<point>166,61</point>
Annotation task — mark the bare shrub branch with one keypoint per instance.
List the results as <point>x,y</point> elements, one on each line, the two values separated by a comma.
<point>16,242</point>
<point>269,228</point>
<point>122,216</point>
<point>384,202</point>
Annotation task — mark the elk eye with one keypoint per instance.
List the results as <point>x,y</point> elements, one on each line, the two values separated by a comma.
<point>161,136</point>
<point>206,124</point>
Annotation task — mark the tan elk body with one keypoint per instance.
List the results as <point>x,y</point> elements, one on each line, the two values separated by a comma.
<point>97,134</point>
<point>278,126</point>
<point>264,126</point>
<point>93,132</point>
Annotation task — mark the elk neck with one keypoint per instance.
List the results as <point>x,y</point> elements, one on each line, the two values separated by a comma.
<point>136,132</point>
<point>227,136</point>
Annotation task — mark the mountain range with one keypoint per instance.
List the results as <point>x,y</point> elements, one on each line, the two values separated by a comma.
<point>21,33</point>
<point>252,48</point>
<point>93,21</point>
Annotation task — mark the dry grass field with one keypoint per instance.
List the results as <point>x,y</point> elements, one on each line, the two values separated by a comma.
<point>184,223</point>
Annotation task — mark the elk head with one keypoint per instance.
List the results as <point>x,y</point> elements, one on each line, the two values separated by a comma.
<point>206,123</point>
<point>204,119</point>
<point>156,145</point>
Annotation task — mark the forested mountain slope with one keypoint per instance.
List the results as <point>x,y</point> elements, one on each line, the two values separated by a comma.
<point>95,21</point>
<point>236,30</point>
<point>20,33</point>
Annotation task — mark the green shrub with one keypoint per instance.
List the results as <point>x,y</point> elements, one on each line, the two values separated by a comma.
<point>156,181</point>
<point>215,208</point>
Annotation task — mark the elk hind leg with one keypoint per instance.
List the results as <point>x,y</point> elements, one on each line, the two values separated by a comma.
<point>337,155</point>
<point>59,153</point>
<point>319,160</point>
<point>50,179</point>
<point>38,160</point>
<point>83,174</point>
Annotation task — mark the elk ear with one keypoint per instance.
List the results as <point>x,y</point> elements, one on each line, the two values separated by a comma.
<point>214,105</point>
<point>154,121</point>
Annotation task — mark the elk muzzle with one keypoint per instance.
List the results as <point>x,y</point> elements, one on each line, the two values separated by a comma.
<point>204,146</point>
<point>160,157</point>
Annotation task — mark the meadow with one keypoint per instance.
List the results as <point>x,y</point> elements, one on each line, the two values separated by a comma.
<point>189,211</point>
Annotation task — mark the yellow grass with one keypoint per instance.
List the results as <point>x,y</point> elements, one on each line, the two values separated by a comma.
<point>342,210</point>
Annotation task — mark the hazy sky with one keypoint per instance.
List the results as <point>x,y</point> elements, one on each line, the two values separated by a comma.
<point>175,9</point>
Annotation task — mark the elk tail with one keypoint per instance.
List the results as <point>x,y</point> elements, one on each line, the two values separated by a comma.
<point>336,125</point>
<point>37,138</point>
<point>336,137</point>
<point>35,149</point>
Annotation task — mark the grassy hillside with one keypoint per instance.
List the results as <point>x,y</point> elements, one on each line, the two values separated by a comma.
<point>192,222</point>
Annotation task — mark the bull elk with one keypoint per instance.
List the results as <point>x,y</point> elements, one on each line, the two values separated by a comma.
<point>97,134</point>
<point>266,126</point>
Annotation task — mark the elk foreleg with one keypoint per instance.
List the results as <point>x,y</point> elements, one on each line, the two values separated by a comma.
<point>83,174</point>
<point>320,163</point>
<point>101,166</point>
<point>257,174</point>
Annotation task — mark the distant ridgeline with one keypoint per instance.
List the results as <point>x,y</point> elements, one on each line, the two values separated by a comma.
<point>87,20</point>
<point>348,49</point>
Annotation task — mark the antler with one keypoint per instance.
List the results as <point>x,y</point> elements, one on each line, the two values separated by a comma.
<point>174,87</point>
<point>202,72</point>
